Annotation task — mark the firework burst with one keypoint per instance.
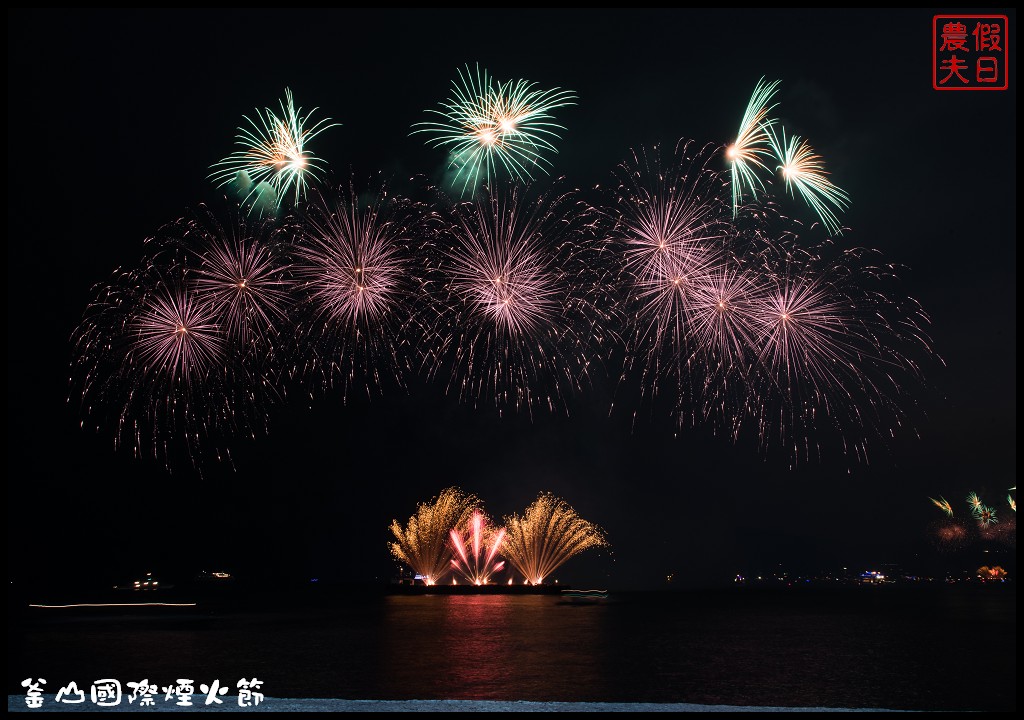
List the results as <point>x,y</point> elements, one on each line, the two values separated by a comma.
<point>183,351</point>
<point>489,126</point>
<point>986,526</point>
<point>1004,532</point>
<point>358,272</point>
<point>722,314</point>
<point>274,156</point>
<point>974,502</point>
<point>752,144</point>
<point>243,274</point>
<point>804,170</point>
<point>985,516</point>
<point>175,337</point>
<point>519,315</point>
<point>744,323</point>
<point>949,535</point>
<point>476,548</point>
<point>981,512</point>
<point>690,297</point>
<point>803,328</point>
<point>547,535</point>
<point>513,297</point>
<point>150,360</point>
<point>834,349</point>
<point>422,543</point>
<point>671,227</point>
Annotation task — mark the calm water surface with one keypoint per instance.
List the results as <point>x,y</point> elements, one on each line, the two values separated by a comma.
<point>917,648</point>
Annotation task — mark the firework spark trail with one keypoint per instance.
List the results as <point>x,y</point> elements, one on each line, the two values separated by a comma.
<point>518,306</point>
<point>422,543</point>
<point>476,549</point>
<point>804,170</point>
<point>274,151</point>
<point>722,326</point>
<point>489,126</point>
<point>359,272</point>
<point>943,505</point>
<point>547,535</point>
<point>752,144</point>
<point>669,295</point>
<point>242,269</point>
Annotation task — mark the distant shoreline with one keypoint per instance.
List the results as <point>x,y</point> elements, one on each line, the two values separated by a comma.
<point>185,601</point>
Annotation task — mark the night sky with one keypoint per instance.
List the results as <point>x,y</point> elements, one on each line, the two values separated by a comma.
<point>114,118</point>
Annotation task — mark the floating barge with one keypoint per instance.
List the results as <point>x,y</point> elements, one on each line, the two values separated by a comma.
<point>583,597</point>
<point>464,589</point>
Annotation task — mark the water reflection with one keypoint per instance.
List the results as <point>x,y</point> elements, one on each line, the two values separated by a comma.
<point>475,636</point>
<point>478,647</point>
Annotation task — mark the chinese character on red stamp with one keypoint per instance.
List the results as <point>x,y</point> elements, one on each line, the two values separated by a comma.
<point>969,52</point>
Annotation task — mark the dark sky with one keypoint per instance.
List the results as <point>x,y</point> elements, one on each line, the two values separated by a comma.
<point>114,118</point>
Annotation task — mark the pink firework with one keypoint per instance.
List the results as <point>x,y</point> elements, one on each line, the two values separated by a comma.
<point>949,535</point>
<point>243,275</point>
<point>833,351</point>
<point>722,313</point>
<point>154,360</point>
<point>177,338</point>
<point>722,330</point>
<point>476,552</point>
<point>804,333</point>
<point>668,299</point>
<point>165,363</point>
<point>671,226</point>
<point>358,274</point>
<point>806,336</point>
<point>668,206</point>
<point>503,272</point>
<point>672,231</point>
<point>743,321</point>
<point>519,305</point>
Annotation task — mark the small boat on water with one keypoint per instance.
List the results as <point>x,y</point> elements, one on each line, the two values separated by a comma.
<point>583,597</point>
